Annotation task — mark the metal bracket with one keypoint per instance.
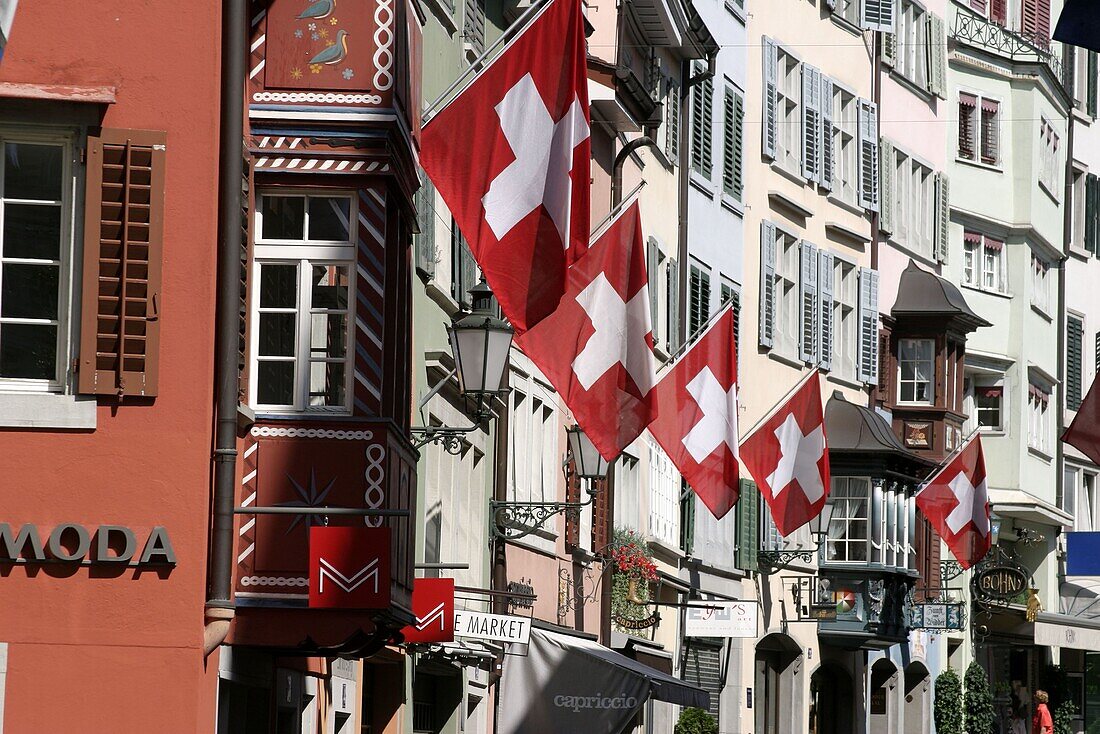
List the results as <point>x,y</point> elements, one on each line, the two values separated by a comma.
<point>514,520</point>
<point>950,570</point>
<point>776,559</point>
<point>446,436</point>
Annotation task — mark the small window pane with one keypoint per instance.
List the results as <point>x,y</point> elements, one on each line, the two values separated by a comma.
<point>275,383</point>
<point>326,383</point>
<point>330,287</point>
<point>32,171</point>
<point>278,286</point>
<point>329,217</point>
<point>277,334</point>
<point>29,292</point>
<point>283,217</point>
<point>32,231</point>
<point>28,351</point>
<point>328,336</point>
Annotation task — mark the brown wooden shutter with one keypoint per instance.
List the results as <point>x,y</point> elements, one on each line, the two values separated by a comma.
<point>123,246</point>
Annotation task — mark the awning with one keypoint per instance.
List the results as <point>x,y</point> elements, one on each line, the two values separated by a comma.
<point>1064,630</point>
<point>569,683</point>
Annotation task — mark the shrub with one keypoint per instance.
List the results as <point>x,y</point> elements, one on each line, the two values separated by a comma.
<point>947,703</point>
<point>696,721</point>
<point>978,701</point>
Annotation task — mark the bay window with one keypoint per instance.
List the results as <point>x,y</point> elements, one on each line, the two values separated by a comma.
<point>979,129</point>
<point>302,307</point>
<point>1040,283</point>
<point>983,262</point>
<point>1038,428</point>
<point>1049,171</point>
<point>916,371</point>
<point>848,540</point>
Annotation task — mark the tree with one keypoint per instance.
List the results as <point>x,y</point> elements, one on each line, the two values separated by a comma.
<point>1063,717</point>
<point>696,721</point>
<point>978,701</point>
<point>947,703</point>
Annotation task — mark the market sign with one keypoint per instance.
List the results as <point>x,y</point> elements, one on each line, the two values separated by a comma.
<point>499,627</point>
<point>433,603</point>
<point>721,619</point>
<point>937,616</point>
<point>999,582</point>
<point>349,567</point>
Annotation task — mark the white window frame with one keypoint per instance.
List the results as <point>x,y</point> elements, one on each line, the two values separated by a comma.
<point>912,43</point>
<point>977,257</point>
<point>788,111</point>
<point>68,319</point>
<point>663,523</point>
<point>914,203</point>
<point>1049,144</point>
<point>1040,284</point>
<point>788,275</point>
<point>979,134</point>
<point>305,254</point>
<point>931,381</point>
<point>846,153</point>
<point>845,361</point>
<point>844,500</point>
<point>976,382</point>
<point>848,10</point>
<point>1039,420</point>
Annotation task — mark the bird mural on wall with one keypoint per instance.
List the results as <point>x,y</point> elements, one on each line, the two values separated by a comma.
<point>319,9</point>
<point>335,53</point>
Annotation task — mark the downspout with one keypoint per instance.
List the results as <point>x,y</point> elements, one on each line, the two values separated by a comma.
<point>876,97</point>
<point>617,167</point>
<point>219,604</point>
<point>1067,239</point>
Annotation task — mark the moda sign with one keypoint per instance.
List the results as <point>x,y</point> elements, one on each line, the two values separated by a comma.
<point>74,543</point>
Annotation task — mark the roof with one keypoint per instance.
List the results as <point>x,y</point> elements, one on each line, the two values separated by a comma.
<point>923,293</point>
<point>857,428</point>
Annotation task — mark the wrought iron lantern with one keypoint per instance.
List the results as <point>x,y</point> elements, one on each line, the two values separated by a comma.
<point>586,458</point>
<point>819,532</point>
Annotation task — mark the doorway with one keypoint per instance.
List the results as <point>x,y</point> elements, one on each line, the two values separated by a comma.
<point>832,706</point>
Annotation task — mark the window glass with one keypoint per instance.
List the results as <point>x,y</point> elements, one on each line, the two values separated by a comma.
<point>33,171</point>
<point>329,218</point>
<point>917,370</point>
<point>283,217</point>
<point>848,537</point>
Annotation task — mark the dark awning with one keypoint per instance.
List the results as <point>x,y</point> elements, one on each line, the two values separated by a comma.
<point>923,293</point>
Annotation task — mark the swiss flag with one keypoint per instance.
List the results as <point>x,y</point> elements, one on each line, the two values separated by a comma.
<point>597,347</point>
<point>788,457</point>
<point>697,425</point>
<point>956,502</point>
<point>510,156</point>
<point>1084,431</point>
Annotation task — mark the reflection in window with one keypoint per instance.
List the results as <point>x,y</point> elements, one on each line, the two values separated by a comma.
<point>917,368</point>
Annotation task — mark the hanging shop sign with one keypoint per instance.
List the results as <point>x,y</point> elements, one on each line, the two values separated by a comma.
<point>433,603</point>
<point>999,581</point>
<point>721,619</point>
<point>937,616</point>
<point>630,623</point>
<point>74,543</point>
<point>349,567</point>
<point>499,627</point>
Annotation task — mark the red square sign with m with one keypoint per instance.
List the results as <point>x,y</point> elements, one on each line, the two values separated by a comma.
<point>433,603</point>
<point>349,568</point>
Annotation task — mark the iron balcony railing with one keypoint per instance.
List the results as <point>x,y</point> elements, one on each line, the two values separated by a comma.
<point>973,30</point>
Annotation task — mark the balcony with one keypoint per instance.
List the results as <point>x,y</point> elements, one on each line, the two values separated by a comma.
<point>977,32</point>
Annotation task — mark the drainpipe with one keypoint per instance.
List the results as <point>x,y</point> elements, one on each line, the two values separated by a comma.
<point>617,168</point>
<point>1067,239</point>
<point>219,603</point>
<point>876,97</point>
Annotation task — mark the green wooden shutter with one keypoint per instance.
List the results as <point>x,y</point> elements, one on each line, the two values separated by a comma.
<point>687,518</point>
<point>425,219</point>
<point>748,525</point>
<point>1092,189</point>
<point>1074,363</point>
<point>702,116</point>
<point>672,288</point>
<point>698,301</point>
<point>733,115</point>
<point>1090,85</point>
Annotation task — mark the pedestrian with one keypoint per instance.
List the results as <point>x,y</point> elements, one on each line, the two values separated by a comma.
<point>1041,723</point>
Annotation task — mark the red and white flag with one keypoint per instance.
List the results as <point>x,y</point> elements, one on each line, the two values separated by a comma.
<point>510,156</point>
<point>697,424</point>
<point>788,457</point>
<point>1084,430</point>
<point>956,501</point>
<point>597,347</point>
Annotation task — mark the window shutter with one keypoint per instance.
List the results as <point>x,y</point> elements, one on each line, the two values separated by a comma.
<point>771,121</point>
<point>702,116</point>
<point>811,123</point>
<point>738,147</point>
<point>733,114</point>
<point>653,75</point>
<point>807,348</point>
<point>767,283</point>
<point>735,300</point>
<point>889,50</point>
<point>687,518</point>
<point>652,260</point>
<point>1035,21</point>
<point>868,326</point>
<point>827,155</point>
<point>425,218</point>
<point>943,216</point>
<point>1090,85</point>
<point>1092,230</point>
<point>464,274</point>
<point>123,248</point>
<point>825,309</point>
<point>1069,70</point>
<point>1075,333</point>
<point>698,301</point>
<point>887,205</point>
<point>672,284</point>
<point>884,371</point>
<point>748,525</point>
<point>1096,353</point>
<point>672,122</point>
<point>703,668</point>
<point>868,155</point>
<point>473,29</point>
<point>937,56</point>
<point>877,15</point>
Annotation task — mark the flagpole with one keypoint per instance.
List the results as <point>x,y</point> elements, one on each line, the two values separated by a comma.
<point>605,223</point>
<point>675,357</point>
<point>475,68</point>
<point>948,459</point>
<point>778,405</point>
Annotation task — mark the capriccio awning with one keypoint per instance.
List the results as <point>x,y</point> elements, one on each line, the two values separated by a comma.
<point>572,683</point>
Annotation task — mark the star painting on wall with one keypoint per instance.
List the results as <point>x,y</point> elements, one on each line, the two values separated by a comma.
<point>311,497</point>
<point>296,72</point>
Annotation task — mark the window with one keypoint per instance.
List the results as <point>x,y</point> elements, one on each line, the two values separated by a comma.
<point>916,371</point>
<point>848,10</point>
<point>1068,501</point>
<point>464,271</point>
<point>534,461</point>
<point>664,497</point>
<point>985,402</point>
<point>1048,158</point>
<point>789,112</point>
<point>911,203</point>
<point>983,262</point>
<point>1040,283</point>
<point>702,124</point>
<point>35,176</point>
<point>845,319</point>
<point>1038,429</point>
<point>912,44</point>
<point>787,312</point>
<point>845,145</point>
<point>848,536</point>
<point>1075,332</point>
<point>698,300</point>
<point>304,270</point>
<point>1086,516</point>
<point>979,129</point>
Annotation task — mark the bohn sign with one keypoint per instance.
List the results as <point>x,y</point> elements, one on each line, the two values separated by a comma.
<point>349,568</point>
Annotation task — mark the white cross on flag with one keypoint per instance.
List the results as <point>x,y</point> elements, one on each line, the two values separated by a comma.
<point>788,457</point>
<point>510,156</point>
<point>956,501</point>
<point>697,425</point>
<point>597,347</point>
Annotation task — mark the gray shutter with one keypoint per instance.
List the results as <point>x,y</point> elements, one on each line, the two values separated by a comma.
<point>703,668</point>
<point>889,50</point>
<point>943,216</point>
<point>1074,362</point>
<point>652,260</point>
<point>1092,222</point>
<point>672,122</point>
<point>937,56</point>
<point>1090,85</point>
<point>702,116</point>
<point>811,122</point>
<point>877,15</point>
<point>672,285</point>
<point>473,27</point>
<point>738,146</point>
<point>825,289</point>
<point>729,143</point>
<point>767,283</point>
<point>887,206</point>
<point>868,326</point>
<point>807,290</point>
<point>868,155</point>
<point>698,301</point>
<point>827,154</point>
<point>748,525</point>
<point>770,128</point>
<point>425,219</point>
<point>1069,70</point>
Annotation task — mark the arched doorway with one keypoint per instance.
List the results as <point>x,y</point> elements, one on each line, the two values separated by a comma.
<point>832,707</point>
<point>918,716</point>
<point>778,662</point>
<point>883,702</point>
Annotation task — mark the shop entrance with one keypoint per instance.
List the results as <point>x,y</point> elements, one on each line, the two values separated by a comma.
<point>918,717</point>
<point>832,707</point>
<point>777,684</point>
<point>883,703</point>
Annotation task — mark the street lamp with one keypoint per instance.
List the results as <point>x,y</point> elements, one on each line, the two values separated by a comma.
<point>588,461</point>
<point>480,343</point>
<point>819,532</point>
